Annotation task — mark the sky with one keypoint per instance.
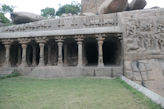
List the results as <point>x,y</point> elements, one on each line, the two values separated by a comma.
<point>35,6</point>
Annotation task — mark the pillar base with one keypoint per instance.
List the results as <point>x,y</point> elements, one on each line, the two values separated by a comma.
<point>41,64</point>
<point>79,66</point>
<point>23,65</point>
<point>101,65</point>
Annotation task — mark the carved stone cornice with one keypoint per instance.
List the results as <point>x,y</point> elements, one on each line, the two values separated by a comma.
<point>64,23</point>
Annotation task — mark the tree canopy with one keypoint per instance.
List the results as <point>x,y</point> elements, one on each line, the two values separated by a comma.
<point>73,8</point>
<point>6,9</point>
<point>3,10</point>
<point>48,12</point>
<point>3,19</point>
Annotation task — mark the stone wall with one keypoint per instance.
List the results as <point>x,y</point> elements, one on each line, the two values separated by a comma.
<point>143,42</point>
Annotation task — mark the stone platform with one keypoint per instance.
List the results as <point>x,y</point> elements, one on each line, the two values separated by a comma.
<point>58,72</point>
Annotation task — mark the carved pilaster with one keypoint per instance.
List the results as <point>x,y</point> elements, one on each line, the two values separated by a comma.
<point>23,42</point>
<point>34,55</point>
<point>7,44</point>
<point>60,40</point>
<point>41,60</point>
<point>100,40</point>
<point>79,40</point>
<point>41,41</point>
<point>49,54</point>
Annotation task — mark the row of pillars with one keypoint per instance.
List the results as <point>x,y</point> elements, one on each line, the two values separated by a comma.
<point>59,41</point>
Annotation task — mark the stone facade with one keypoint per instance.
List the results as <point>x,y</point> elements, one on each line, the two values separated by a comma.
<point>103,45</point>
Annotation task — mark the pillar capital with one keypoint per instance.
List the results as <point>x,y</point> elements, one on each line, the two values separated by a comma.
<point>41,44</point>
<point>79,38</point>
<point>41,40</point>
<point>7,41</point>
<point>7,46</point>
<point>59,39</point>
<point>100,36</point>
<point>24,45</point>
<point>24,40</point>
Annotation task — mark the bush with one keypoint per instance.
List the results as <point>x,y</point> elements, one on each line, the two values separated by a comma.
<point>13,74</point>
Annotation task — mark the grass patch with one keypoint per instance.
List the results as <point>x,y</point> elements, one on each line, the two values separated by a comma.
<point>70,93</point>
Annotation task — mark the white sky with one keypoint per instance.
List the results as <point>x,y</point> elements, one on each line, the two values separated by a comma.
<point>35,6</point>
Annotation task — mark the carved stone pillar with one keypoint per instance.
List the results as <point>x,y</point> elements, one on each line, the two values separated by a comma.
<point>34,55</point>
<point>65,54</point>
<point>80,50</point>
<point>41,41</point>
<point>7,58</point>
<point>41,60</point>
<point>100,42</point>
<point>60,46</point>
<point>24,61</point>
<point>49,55</point>
<point>7,44</point>
<point>19,55</point>
<point>23,43</point>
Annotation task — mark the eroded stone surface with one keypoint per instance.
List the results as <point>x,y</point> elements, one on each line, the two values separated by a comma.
<point>111,6</point>
<point>91,7</point>
<point>137,4</point>
<point>24,17</point>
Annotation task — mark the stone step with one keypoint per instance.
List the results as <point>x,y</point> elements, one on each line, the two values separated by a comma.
<point>58,72</point>
<point>6,71</point>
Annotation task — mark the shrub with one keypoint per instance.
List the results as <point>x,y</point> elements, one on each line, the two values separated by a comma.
<point>13,74</point>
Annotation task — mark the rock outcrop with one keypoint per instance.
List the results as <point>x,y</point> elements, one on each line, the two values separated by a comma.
<point>111,6</point>
<point>137,4</point>
<point>92,7</point>
<point>25,17</point>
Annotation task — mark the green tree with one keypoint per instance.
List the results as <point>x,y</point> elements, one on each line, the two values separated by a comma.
<point>3,19</point>
<point>73,8</point>
<point>6,9</point>
<point>3,10</point>
<point>48,12</point>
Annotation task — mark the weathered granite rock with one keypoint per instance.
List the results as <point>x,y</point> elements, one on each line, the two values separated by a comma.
<point>111,6</point>
<point>25,17</point>
<point>137,4</point>
<point>103,6</point>
<point>91,6</point>
<point>88,14</point>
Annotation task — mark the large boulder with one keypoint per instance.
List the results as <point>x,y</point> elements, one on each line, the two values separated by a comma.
<point>137,4</point>
<point>25,17</point>
<point>88,14</point>
<point>90,6</point>
<point>111,6</point>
